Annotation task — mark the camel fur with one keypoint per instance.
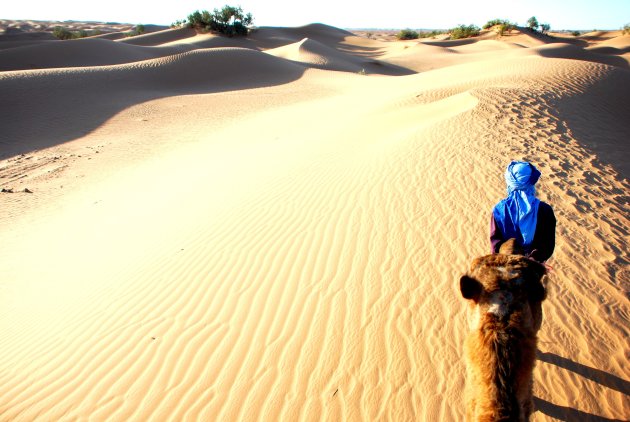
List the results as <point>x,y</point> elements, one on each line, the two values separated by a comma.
<point>505,292</point>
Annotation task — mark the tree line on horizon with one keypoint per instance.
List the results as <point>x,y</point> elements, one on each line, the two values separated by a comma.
<point>232,21</point>
<point>63,33</point>
<point>501,26</point>
<point>228,20</point>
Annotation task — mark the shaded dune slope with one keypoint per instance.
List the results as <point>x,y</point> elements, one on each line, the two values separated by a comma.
<point>78,53</point>
<point>94,94</point>
<point>568,51</point>
<point>5,45</point>
<point>110,36</point>
<point>614,46</point>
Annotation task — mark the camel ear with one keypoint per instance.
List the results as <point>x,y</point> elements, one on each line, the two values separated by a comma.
<point>510,247</point>
<point>536,291</point>
<point>470,288</point>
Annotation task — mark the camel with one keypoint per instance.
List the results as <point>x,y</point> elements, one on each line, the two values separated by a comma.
<point>505,292</point>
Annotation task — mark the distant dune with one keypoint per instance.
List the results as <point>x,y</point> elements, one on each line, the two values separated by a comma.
<point>273,227</point>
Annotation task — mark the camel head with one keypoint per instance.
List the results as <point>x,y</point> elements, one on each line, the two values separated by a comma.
<point>501,285</point>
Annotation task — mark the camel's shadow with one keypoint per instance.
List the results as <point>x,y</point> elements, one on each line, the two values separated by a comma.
<point>563,413</point>
<point>568,414</point>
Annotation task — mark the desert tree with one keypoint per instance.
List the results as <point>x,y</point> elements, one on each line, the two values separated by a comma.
<point>495,22</point>
<point>464,31</point>
<point>532,23</point>
<point>407,34</point>
<point>544,28</point>
<point>229,20</point>
<point>431,34</point>
<point>65,34</point>
<point>501,26</point>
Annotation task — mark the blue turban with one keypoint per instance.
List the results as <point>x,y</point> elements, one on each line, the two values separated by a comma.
<point>516,215</point>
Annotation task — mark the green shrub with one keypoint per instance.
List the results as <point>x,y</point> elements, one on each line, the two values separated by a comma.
<point>544,28</point>
<point>138,30</point>
<point>63,33</point>
<point>464,31</point>
<point>492,23</point>
<point>431,34</point>
<point>495,22</point>
<point>502,25</point>
<point>532,23</point>
<point>407,34</point>
<point>229,21</point>
<point>626,29</point>
<point>503,28</point>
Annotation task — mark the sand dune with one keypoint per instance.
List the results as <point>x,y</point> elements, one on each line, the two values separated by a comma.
<point>621,42</point>
<point>263,233</point>
<point>323,33</point>
<point>160,37</point>
<point>618,46</point>
<point>484,46</point>
<point>568,51</point>
<point>315,53</point>
<point>320,56</point>
<point>77,53</point>
<point>85,98</point>
<point>600,36</point>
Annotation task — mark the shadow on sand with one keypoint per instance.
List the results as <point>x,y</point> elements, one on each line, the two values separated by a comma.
<point>598,118</point>
<point>568,51</point>
<point>596,375</point>
<point>567,414</point>
<point>564,413</point>
<point>40,109</point>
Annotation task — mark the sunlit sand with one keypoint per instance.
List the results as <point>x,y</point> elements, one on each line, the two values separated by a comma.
<point>273,227</point>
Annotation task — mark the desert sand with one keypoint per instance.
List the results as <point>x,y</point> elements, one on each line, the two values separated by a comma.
<point>273,227</point>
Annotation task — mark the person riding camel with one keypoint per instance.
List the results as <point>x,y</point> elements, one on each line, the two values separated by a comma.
<point>522,216</point>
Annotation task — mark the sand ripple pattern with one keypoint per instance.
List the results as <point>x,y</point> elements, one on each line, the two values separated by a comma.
<point>307,270</point>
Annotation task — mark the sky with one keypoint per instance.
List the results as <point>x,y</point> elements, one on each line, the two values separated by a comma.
<point>395,14</point>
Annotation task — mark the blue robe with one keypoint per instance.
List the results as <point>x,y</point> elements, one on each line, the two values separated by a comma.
<point>516,215</point>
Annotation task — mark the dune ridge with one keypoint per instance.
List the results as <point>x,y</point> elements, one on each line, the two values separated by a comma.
<point>318,55</point>
<point>268,234</point>
<point>76,53</point>
<point>55,91</point>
